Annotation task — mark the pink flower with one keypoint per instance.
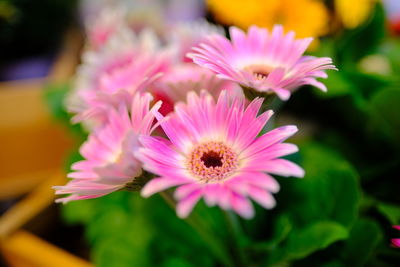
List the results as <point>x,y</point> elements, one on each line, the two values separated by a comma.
<point>111,75</point>
<point>185,35</point>
<point>118,86</point>
<point>99,28</point>
<point>109,162</point>
<point>396,241</point>
<point>262,61</point>
<point>182,78</point>
<point>212,152</point>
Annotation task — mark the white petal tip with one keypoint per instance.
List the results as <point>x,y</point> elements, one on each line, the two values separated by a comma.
<point>299,173</point>
<point>61,200</point>
<point>247,215</point>
<point>182,215</point>
<point>145,193</point>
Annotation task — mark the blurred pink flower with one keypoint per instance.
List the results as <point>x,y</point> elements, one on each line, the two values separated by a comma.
<point>99,28</point>
<point>109,162</point>
<point>213,153</point>
<point>185,35</point>
<point>262,61</point>
<point>396,241</point>
<point>126,64</point>
<point>182,78</point>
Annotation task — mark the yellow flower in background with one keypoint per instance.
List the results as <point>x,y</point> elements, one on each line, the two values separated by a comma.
<point>353,13</point>
<point>244,13</point>
<point>305,17</point>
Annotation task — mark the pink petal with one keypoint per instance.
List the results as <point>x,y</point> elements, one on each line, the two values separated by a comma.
<point>224,197</point>
<point>185,206</point>
<point>262,197</point>
<point>258,179</point>
<point>277,135</point>
<point>274,151</point>
<point>283,93</point>
<point>161,183</point>
<point>184,190</point>
<point>277,166</point>
<point>65,200</point>
<point>396,242</point>
<point>211,194</point>
<point>242,206</point>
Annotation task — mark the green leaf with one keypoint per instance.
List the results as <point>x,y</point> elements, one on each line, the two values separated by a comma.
<point>368,84</point>
<point>55,95</point>
<point>119,236</point>
<point>385,110</point>
<point>79,212</point>
<point>335,263</point>
<point>176,262</point>
<point>322,206</point>
<point>116,232</point>
<point>364,238</point>
<point>392,212</point>
<point>329,191</point>
<point>337,84</point>
<point>119,252</point>
<point>364,40</point>
<point>326,48</point>
<point>315,237</point>
<point>360,86</point>
<point>390,48</point>
<point>307,240</point>
<point>127,230</point>
<point>282,228</point>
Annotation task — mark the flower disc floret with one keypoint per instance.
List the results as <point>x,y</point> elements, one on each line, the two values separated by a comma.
<point>212,162</point>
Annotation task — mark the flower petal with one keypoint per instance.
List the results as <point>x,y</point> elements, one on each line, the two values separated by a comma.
<point>185,206</point>
<point>160,184</point>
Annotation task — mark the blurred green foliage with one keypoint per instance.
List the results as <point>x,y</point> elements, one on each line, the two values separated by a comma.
<point>55,95</point>
<point>340,214</point>
<point>124,229</point>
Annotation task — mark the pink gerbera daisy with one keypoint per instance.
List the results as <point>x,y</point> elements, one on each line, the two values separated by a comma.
<point>109,163</point>
<point>261,61</point>
<point>213,152</point>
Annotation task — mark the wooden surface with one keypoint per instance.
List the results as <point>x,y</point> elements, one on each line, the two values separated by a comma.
<point>26,250</point>
<point>29,206</point>
<point>33,150</point>
<point>32,143</point>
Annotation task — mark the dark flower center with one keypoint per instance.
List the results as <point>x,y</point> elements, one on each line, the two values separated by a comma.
<point>260,72</point>
<point>212,159</point>
<point>212,162</point>
<point>260,75</point>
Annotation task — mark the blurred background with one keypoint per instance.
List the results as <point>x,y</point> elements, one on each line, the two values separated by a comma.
<point>349,140</point>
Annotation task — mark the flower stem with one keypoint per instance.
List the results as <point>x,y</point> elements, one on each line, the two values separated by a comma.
<point>194,221</point>
<point>235,232</point>
<point>272,102</point>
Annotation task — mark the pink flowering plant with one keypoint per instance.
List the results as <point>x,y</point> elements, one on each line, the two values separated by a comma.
<point>194,140</point>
